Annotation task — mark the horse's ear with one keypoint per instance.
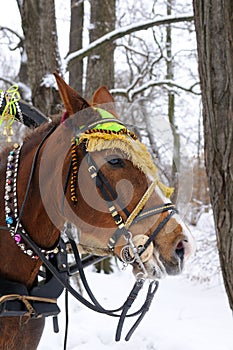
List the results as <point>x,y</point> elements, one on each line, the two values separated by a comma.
<point>72,101</point>
<point>103,98</point>
<point>102,95</point>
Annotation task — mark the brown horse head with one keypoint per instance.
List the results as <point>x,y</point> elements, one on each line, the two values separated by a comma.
<point>92,171</point>
<point>127,168</point>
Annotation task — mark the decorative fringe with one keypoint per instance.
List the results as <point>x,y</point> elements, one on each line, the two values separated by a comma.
<point>74,165</point>
<point>115,137</point>
<point>133,149</point>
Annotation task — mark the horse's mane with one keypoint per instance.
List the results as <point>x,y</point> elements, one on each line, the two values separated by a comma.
<point>42,129</point>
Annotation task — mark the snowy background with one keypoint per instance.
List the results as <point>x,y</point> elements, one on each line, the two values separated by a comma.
<point>189,312</point>
<point>183,316</point>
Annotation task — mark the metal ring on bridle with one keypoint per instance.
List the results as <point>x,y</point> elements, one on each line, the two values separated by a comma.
<point>125,255</point>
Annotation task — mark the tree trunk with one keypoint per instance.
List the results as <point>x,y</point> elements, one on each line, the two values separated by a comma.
<point>214,27</point>
<point>23,71</point>
<point>76,41</point>
<point>100,69</point>
<point>39,26</point>
<point>171,104</point>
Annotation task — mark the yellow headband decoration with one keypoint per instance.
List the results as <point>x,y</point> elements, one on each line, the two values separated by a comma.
<point>115,136</point>
<point>133,149</point>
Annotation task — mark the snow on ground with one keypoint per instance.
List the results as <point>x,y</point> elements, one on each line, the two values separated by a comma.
<point>183,316</point>
<point>189,312</point>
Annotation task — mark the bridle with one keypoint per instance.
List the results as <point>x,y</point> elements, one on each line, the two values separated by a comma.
<point>135,216</point>
<point>130,252</point>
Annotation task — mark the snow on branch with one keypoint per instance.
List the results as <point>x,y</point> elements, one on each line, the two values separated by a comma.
<point>130,92</point>
<point>121,32</point>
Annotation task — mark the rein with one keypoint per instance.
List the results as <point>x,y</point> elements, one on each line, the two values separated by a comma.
<point>94,304</point>
<point>62,271</point>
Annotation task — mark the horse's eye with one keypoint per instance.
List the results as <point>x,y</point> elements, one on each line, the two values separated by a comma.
<point>116,162</point>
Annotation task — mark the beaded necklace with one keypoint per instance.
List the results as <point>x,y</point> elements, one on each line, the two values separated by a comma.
<point>11,206</point>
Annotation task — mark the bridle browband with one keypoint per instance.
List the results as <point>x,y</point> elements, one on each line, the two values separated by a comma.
<point>109,195</point>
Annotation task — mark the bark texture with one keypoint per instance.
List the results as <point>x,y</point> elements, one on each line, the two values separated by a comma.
<point>76,41</point>
<point>214,27</point>
<point>100,69</point>
<point>39,26</point>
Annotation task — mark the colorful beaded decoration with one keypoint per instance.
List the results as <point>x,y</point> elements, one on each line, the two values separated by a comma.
<point>11,205</point>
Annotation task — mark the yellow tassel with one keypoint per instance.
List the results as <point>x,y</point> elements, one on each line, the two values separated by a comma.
<point>10,133</point>
<point>7,118</point>
<point>167,191</point>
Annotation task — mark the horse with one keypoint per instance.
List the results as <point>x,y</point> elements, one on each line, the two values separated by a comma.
<point>86,168</point>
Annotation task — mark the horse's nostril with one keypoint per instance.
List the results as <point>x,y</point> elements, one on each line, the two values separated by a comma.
<point>180,245</point>
<point>180,250</point>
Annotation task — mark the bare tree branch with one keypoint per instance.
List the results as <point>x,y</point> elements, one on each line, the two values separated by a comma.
<point>7,81</point>
<point>121,32</point>
<point>132,49</point>
<point>130,93</point>
<point>12,32</point>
